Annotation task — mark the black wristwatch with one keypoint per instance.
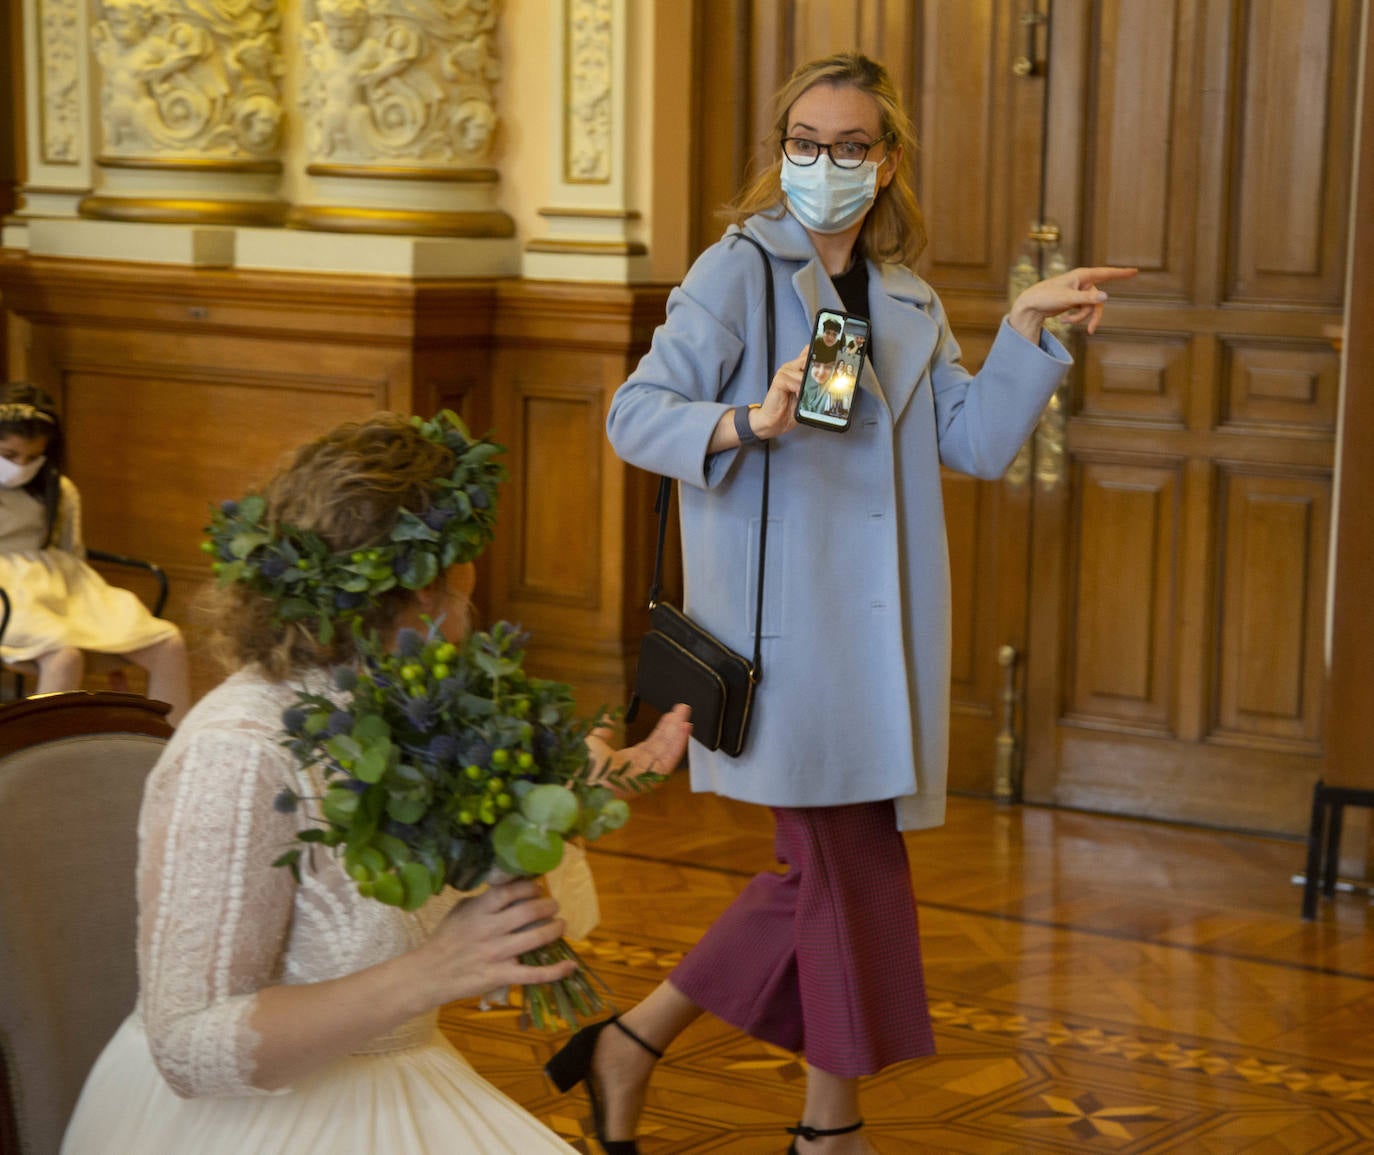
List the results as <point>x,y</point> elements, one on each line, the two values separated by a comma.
<point>747,436</point>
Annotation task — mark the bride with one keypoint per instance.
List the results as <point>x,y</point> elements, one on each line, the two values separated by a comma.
<point>283,1016</point>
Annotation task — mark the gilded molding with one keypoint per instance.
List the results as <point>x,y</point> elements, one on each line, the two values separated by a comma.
<point>400,80</point>
<point>401,222</point>
<point>184,211</point>
<point>588,92</point>
<point>190,77</point>
<point>60,78</point>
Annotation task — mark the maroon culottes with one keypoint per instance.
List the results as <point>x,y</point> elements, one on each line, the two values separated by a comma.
<point>826,958</point>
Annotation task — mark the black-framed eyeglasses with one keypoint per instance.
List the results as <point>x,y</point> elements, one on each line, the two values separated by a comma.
<point>843,153</point>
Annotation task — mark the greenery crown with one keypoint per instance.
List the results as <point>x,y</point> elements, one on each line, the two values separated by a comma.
<point>307,579</point>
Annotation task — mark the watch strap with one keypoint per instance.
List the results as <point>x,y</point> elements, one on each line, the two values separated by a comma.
<point>747,436</point>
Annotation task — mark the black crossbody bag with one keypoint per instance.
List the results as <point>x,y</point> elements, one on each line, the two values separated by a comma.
<point>681,662</point>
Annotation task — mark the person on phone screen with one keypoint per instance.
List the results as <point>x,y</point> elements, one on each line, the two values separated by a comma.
<point>825,958</point>
<point>826,347</point>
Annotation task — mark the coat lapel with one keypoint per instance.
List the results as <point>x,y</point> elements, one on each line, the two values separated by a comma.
<point>899,304</point>
<point>904,333</point>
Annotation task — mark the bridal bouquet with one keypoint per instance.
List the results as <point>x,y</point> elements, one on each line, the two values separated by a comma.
<point>450,765</point>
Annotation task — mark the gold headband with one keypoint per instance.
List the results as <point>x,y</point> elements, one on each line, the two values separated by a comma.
<point>22,411</point>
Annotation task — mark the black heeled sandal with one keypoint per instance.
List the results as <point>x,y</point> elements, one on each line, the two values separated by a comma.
<point>802,1131</point>
<point>573,1065</point>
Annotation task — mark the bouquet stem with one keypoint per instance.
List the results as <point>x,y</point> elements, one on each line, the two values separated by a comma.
<point>546,1005</point>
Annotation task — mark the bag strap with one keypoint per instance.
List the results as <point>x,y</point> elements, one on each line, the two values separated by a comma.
<point>665,484</point>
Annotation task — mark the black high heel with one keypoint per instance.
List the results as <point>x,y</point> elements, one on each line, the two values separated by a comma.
<point>573,1065</point>
<point>802,1131</point>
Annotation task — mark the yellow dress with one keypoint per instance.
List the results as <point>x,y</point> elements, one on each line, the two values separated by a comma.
<point>56,599</point>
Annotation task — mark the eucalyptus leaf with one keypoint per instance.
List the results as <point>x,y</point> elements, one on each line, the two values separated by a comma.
<point>551,807</point>
<point>340,805</point>
<point>418,885</point>
<point>406,809</point>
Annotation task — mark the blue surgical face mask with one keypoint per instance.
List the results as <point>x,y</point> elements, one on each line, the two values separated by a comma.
<point>15,476</point>
<point>827,198</point>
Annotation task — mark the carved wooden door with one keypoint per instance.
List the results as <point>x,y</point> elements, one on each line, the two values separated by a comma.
<point>1181,515</point>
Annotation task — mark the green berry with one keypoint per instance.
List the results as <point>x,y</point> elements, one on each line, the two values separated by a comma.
<point>525,761</point>
<point>465,817</point>
<point>446,652</point>
<point>494,785</point>
<point>505,801</point>
<point>499,758</point>
<point>473,772</point>
<point>441,671</point>
<point>207,547</point>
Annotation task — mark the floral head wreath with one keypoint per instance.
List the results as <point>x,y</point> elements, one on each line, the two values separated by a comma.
<point>306,578</point>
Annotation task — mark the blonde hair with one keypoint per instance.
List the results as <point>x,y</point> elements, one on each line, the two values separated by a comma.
<point>349,487</point>
<point>894,230</point>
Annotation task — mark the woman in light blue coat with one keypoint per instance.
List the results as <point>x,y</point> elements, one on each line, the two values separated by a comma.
<point>849,740</point>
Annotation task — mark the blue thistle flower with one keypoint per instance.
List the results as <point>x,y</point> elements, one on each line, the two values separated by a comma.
<point>348,599</point>
<point>285,801</point>
<point>345,677</point>
<point>293,719</point>
<point>340,722</point>
<point>474,751</point>
<point>229,508</point>
<point>409,643</point>
<point>272,566</point>
<point>545,743</point>
<point>354,784</point>
<point>478,496</point>
<point>443,747</point>
<point>405,831</point>
<point>418,712</point>
<point>436,516</point>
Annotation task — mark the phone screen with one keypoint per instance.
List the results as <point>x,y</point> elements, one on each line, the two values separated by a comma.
<point>838,344</point>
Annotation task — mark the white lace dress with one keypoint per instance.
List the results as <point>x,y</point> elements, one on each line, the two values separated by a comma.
<point>56,598</point>
<point>217,922</point>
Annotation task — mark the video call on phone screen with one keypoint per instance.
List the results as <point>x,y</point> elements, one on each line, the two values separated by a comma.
<point>837,352</point>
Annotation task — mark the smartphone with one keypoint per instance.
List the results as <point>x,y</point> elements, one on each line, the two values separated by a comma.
<point>839,343</point>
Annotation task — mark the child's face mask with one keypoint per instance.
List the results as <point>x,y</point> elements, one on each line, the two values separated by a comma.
<point>13,475</point>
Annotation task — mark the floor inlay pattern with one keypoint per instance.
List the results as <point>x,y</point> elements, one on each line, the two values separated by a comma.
<point>1050,1038</point>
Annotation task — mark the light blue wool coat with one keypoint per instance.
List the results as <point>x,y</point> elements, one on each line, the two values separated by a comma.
<point>854,701</point>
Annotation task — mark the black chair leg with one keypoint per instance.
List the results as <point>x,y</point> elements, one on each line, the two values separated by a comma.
<point>1314,854</point>
<point>1333,846</point>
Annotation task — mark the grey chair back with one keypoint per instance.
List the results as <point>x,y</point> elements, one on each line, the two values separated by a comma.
<point>72,768</point>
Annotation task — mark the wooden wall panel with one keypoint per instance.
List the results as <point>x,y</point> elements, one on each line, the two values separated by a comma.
<point>1122,652</point>
<point>1142,168</point>
<point>1137,377</point>
<point>965,509</point>
<point>1272,596</point>
<point>573,560</point>
<point>962,53</point>
<point>1289,195</point>
<point>1292,386</point>
<point>561,434</point>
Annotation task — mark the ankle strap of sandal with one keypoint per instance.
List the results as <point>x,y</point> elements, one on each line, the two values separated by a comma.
<point>802,1131</point>
<point>624,1030</point>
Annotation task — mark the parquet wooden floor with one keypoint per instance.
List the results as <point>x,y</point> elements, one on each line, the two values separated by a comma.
<point>1098,984</point>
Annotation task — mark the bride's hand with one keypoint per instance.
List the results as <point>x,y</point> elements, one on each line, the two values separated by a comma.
<point>660,753</point>
<point>476,947</point>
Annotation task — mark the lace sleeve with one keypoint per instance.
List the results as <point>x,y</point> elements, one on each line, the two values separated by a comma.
<point>214,912</point>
